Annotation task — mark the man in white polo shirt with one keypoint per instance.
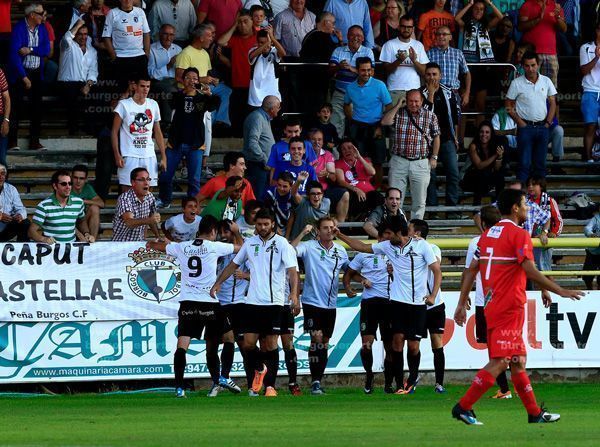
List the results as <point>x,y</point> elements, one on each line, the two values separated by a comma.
<point>411,259</point>
<point>404,60</point>
<point>526,104</point>
<point>323,262</point>
<point>269,258</point>
<point>198,312</point>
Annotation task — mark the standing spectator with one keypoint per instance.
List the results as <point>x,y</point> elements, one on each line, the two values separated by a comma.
<point>503,46</point>
<point>526,104</point>
<point>349,13</point>
<point>29,46</point>
<point>452,63</point>
<point>5,28</point>
<point>67,15</point>
<point>222,13</point>
<point>136,210</point>
<point>342,67</point>
<point>240,39</point>
<point>161,68</point>
<point>98,13</point>
<point>292,25</point>
<point>127,39</point>
<point>196,55</point>
<point>13,215</point>
<point>276,6</point>
<point>135,121</point>
<point>415,148</point>
<point>539,21</point>
<point>180,14</point>
<point>258,140</point>
<point>404,60</point>
<point>441,101</point>
<point>5,106</point>
<point>234,164</point>
<point>93,203</point>
<point>391,207</point>
<point>388,26</point>
<point>431,21</point>
<point>59,217</point>
<point>589,55</point>
<point>186,137</point>
<point>364,104</point>
<point>592,255</point>
<point>263,59</point>
<point>78,70</point>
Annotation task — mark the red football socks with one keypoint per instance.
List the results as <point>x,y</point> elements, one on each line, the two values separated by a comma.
<point>525,391</point>
<point>482,382</point>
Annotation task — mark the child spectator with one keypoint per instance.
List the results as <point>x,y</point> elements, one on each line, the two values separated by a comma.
<point>259,18</point>
<point>323,123</point>
<point>280,200</point>
<point>184,226</point>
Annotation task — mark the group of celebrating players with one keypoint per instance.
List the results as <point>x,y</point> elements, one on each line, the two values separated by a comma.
<point>246,291</point>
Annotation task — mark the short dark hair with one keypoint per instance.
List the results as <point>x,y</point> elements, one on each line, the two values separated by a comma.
<point>326,105</point>
<point>135,171</point>
<point>421,226</point>
<point>207,224</point>
<point>251,205</point>
<point>231,181</point>
<point>244,13</point>
<point>80,168</point>
<point>231,159</point>
<point>356,27</point>
<point>188,199</point>
<point>433,65</point>
<point>508,198</point>
<point>255,8</point>
<point>324,219</point>
<point>363,60</point>
<point>265,213</point>
<point>297,140</point>
<point>406,18</point>
<point>262,33</point>
<point>190,70</point>
<point>314,184</point>
<point>387,191</point>
<point>537,180</point>
<point>530,55</point>
<point>142,77</point>
<point>490,216</point>
<point>346,140</point>
<point>57,174</point>
<point>286,176</point>
<point>396,224</point>
<point>292,120</point>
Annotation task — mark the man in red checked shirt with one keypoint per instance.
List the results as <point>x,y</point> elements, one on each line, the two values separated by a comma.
<point>504,257</point>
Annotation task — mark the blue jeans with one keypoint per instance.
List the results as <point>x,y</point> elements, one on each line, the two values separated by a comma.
<point>222,113</point>
<point>532,143</point>
<point>3,147</point>
<point>447,156</point>
<point>258,177</point>
<point>193,157</point>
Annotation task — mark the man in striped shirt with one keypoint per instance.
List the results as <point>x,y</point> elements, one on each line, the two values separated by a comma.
<point>59,217</point>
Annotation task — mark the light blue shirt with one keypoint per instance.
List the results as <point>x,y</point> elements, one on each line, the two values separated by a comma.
<point>343,78</point>
<point>348,14</point>
<point>159,59</point>
<point>373,268</point>
<point>367,100</point>
<point>10,203</point>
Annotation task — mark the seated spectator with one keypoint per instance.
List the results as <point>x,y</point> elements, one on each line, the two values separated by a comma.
<point>247,220</point>
<point>233,165</point>
<point>281,200</point>
<point>431,21</point>
<point>85,191</point>
<point>136,210</point>
<point>487,169</point>
<point>308,211</point>
<point>388,26</point>
<point>325,166</point>
<point>161,68</point>
<point>60,217</point>
<point>227,203</point>
<point>240,39</point>
<point>180,14</point>
<point>184,226</point>
<point>29,48</point>
<point>222,13</point>
<point>263,58</point>
<point>78,71</point>
<point>187,136</point>
<point>592,255</point>
<point>322,122</point>
<point>195,55</point>
<point>280,152</point>
<point>135,121</point>
<point>13,215</point>
<point>342,68</point>
<point>349,13</point>
<point>5,106</point>
<point>298,166</point>
<point>390,207</point>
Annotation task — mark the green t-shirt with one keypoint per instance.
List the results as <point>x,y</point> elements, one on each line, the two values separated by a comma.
<point>87,193</point>
<point>223,208</point>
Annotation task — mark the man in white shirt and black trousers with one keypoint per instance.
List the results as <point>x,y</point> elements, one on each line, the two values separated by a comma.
<point>198,311</point>
<point>411,259</point>
<point>269,258</point>
<point>323,262</point>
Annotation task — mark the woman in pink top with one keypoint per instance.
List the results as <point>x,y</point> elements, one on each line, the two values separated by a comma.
<point>325,164</point>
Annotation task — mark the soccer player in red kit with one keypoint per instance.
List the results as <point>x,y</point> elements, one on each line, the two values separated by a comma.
<point>504,257</point>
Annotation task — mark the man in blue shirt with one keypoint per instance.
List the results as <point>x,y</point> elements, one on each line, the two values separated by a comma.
<point>301,171</point>
<point>365,101</point>
<point>352,12</point>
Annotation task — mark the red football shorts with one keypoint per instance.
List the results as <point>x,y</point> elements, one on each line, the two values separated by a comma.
<point>506,340</point>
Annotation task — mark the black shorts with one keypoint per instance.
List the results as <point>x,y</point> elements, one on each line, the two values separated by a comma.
<point>409,320</point>
<point>436,319</point>
<point>196,317</point>
<point>234,313</point>
<point>319,319</point>
<point>480,325</point>
<point>375,313</point>
<point>286,322</point>
<point>262,320</point>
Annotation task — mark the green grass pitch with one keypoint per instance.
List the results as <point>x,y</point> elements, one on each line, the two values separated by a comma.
<point>344,417</point>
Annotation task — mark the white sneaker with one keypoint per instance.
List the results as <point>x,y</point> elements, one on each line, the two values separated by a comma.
<point>214,390</point>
